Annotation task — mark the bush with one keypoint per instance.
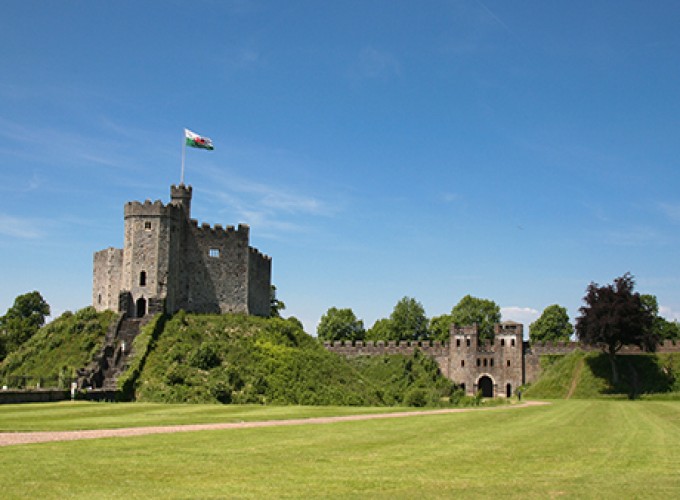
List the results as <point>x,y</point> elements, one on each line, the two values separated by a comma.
<point>416,397</point>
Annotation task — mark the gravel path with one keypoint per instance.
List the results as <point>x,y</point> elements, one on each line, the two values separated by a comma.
<point>14,438</point>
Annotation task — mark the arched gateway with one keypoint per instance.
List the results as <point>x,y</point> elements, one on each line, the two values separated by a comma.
<point>485,384</point>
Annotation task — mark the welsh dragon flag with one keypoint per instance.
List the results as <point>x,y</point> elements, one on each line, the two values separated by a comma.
<point>196,141</point>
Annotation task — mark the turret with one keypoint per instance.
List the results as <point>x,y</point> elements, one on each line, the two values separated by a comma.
<point>181,196</point>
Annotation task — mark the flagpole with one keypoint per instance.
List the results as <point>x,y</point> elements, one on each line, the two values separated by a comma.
<point>184,151</point>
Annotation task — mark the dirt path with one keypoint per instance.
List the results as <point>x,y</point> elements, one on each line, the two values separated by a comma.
<point>14,438</point>
<point>575,379</point>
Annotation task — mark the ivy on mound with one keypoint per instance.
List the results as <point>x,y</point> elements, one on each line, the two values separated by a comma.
<point>52,355</point>
<point>246,359</point>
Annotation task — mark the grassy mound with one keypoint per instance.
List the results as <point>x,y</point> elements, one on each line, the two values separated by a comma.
<point>245,359</point>
<point>588,375</point>
<point>53,354</point>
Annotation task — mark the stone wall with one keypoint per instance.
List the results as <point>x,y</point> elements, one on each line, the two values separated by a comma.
<point>259,283</point>
<point>106,274</point>
<point>507,363</point>
<point>438,351</point>
<point>217,264</point>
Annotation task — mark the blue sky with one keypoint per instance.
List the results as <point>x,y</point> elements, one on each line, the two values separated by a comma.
<point>514,151</point>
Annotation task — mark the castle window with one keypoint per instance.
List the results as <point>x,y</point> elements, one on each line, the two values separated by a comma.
<point>502,342</point>
<point>462,363</point>
<point>479,362</point>
<point>142,278</point>
<point>508,362</point>
<point>512,342</point>
<point>147,226</point>
<point>491,361</point>
<point>467,341</point>
<point>214,252</point>
<point>484,361</point>
<point>457,342</point>
<point>99,298</point>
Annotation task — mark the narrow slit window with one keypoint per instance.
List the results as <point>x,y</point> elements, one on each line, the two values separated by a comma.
<point>214,252</point>
<point>462,363</point>
<point>142,278</point>
<point>508,362</point>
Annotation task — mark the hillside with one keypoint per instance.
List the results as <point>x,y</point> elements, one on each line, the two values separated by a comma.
<point>53,354</point>
<point>588,375</point>
<point>241,359</point>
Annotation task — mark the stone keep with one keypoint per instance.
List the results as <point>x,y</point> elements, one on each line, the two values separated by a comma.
<point>169,262</point>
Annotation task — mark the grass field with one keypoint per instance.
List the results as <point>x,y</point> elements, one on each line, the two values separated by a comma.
<point>576,448</point>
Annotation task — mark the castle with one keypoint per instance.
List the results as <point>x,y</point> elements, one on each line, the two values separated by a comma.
<point>168,262</point>
<point>496,368</point>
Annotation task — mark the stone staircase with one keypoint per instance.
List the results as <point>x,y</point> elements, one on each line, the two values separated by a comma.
<point>113,359</point>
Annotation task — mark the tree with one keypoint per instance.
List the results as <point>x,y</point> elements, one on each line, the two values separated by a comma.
<point>483,312</point>
<point>340,324</point>
<point>553,325</point>
<point>614,316</point>
<point>22,321</point>
<point>276,305</point>
<point>409,321</point>
<point>440,327</point>
<point>382,329</point>
<point>666,330</point>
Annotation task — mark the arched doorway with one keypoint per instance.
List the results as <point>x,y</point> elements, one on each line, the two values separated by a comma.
<point>141,307</point>
<point>508,391</point>
<point>485,384</point>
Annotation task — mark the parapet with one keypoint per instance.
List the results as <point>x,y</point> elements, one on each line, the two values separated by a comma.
<point>254,252</point>
<point>380,348</point>
<point>148,209</point>
<point>242,230</point>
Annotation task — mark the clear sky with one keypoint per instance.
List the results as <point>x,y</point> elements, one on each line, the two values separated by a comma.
<point>512,150</point>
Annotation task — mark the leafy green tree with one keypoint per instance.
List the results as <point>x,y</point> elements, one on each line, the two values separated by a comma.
<point>440,327</point>
<point>276,305</point>
<point>666,330</point>
<point>483,312</point>
<point>340,324</point>
<point>22,321</point>
<point>553,325</point>
<point>409,321</point>
<point>614,316</point>
<point>382,329</point>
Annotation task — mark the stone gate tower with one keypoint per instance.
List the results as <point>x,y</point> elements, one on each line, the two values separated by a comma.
<point>168,262</point>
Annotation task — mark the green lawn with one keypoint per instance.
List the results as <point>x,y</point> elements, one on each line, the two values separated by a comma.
<point>575,448</point>
<point>66,416</point>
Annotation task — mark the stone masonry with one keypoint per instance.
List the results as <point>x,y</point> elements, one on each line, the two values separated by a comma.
<point>496,368</point>
<point>169,262</point>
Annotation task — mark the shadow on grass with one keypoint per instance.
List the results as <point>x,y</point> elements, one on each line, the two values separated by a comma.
<point>638,374</point>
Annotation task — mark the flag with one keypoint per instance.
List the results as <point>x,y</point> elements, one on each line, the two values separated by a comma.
<point>196,141</point>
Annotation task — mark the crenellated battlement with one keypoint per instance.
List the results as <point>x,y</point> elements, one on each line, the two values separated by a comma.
<point>149,209</point>
<point>543,348</point>
<point>378,348</point>
<point>256,253</point>
<point>242,231</point>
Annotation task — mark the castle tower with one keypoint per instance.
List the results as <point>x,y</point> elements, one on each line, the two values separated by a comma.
<point>494,367</point>
<point>181,196</point>
<point>170,262</point>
